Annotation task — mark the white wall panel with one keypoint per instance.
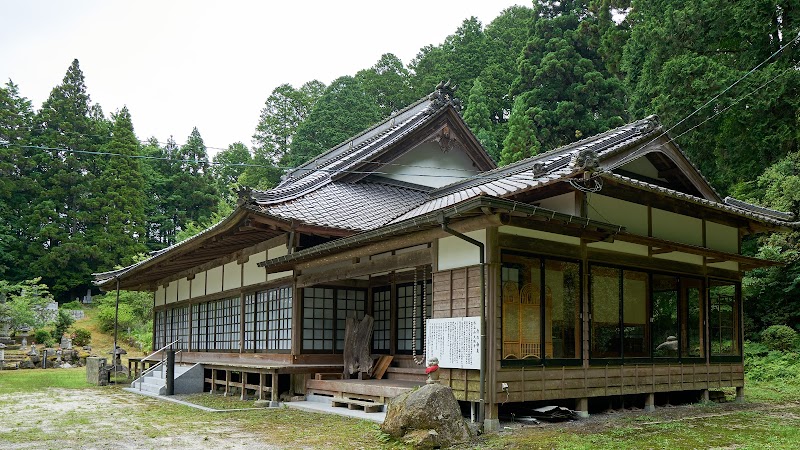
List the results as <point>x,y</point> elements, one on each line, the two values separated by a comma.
<point>677,228</point>
<point>199,285</point>
<point>455,252</point>
<point>214,280</point>
<point>183,289</point>
<point>233,276</point>
<point>632,216</point>
<point>252,273</point>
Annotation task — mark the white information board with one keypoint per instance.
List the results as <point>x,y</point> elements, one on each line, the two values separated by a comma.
<point>455,341</point>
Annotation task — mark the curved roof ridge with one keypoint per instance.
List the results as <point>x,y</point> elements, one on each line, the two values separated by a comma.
<point>564,153</point>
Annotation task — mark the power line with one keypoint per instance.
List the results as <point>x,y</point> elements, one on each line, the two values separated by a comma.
<point>796,38</point>
<point>214,163</point>
<point>765,84</point>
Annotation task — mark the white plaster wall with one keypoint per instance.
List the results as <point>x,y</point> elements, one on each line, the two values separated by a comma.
<point>172,292</point>
<point>632,216</point>
<point>677,228</point>
<point>199,285</point>
<point>564,203</point>
<point>161,296</point>
<point>252,273</point>
<point>722,237</point>
<point>518,231</point>
<point>432,166</point>
<point>455,252</point>
<point>642,166</point>
<point>214,280</point>
<point>275,252</point>
<point>232,275</point>
<point>184,291</point>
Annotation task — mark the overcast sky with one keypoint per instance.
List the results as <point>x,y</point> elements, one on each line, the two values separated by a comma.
<point>212,64</point>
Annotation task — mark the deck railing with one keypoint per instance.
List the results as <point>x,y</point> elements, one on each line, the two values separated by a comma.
<point>159,365</point>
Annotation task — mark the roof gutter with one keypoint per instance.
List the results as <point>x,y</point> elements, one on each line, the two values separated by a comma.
<point>482,255</point>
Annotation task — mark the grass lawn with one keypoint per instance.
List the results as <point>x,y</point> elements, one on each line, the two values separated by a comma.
<point>55,408</point>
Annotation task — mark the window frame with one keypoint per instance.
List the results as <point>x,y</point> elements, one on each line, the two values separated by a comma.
<point>543,316</point>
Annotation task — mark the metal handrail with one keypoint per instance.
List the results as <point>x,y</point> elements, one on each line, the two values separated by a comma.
<point>155,366</point>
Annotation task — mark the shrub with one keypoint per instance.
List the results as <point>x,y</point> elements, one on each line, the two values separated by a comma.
<point>63,321</point>
<point>775,366</point>
<point>82,337</point>
<point>779,337</point>
<point>72,306</point>
<point>42,337</point>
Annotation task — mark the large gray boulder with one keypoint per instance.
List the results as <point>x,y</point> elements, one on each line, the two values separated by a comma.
<point>428,417</point>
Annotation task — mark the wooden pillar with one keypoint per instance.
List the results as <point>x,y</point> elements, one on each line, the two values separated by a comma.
<point>261,385</point>
<point>274,393</point>
<point>213,381</point>
<point>244,384</point>
<point>582,406</point>
<point>227,382</point>
<point>493,311</point>
<point>650,402</point>
<point>297,312</point>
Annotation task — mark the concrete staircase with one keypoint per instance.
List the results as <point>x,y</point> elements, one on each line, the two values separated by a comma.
<point>188,380</point>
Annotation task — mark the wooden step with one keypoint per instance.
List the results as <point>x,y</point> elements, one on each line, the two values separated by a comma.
<point>369,407</point>
<point>406,374</point>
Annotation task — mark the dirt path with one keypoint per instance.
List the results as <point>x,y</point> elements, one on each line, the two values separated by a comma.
<point>103,419</point>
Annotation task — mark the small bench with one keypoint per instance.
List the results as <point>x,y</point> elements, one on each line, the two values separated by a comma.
<point>369,407</point>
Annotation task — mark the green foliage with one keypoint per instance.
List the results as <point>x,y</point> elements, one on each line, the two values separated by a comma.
<point>774,366</point>
<point>74,305</point>
<point>479,119</point>
<point>564,91</point>
<point>81,337</point>
<point>192,228</point>
<point>135,309</point>
<point>343,111</point>
<point>42,337</point>
<point>388,83</point>
<point>229,164</point>
<point>681,54</point>
<point>779,337</point>
<point>119,214</point>
<point>770,292</point>
<point>24,303</point>
<point>459,59</point>
<point>64,320</point>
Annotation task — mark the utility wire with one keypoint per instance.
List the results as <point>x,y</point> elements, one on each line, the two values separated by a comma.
<point>765,84</point>
<point>206,161</point>
<point>778,51</point>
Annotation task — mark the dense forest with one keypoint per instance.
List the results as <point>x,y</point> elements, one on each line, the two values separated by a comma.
<point>81,193</point>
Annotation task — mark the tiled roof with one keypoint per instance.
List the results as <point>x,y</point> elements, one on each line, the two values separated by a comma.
<point>538,170</point>
<point>352,206</point>
<point>343,158</point>
<point>730,205</point>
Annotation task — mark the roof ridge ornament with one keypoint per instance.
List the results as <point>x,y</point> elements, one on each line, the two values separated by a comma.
<point>443,95</point>
<point>244,194</point>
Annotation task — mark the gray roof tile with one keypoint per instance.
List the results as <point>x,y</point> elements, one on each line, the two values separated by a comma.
<point>359,206</point>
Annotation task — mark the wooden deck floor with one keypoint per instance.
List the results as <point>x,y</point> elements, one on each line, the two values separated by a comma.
<point>377,390</point>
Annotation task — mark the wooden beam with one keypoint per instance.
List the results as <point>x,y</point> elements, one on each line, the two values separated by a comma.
<point>660,251</point>
<point>389,263</point>
<point>408,240</point>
